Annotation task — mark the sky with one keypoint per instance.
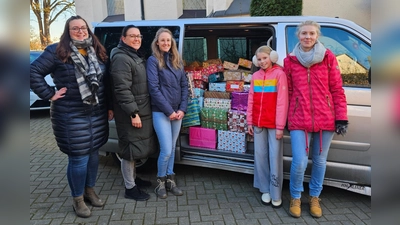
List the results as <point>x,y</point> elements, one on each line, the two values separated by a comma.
<point>56,27</point>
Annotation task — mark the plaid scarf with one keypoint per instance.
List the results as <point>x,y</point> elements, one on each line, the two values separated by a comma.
<point>88,73</point>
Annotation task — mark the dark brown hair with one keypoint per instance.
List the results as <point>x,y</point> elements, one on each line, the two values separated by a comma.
<point>63,50</point>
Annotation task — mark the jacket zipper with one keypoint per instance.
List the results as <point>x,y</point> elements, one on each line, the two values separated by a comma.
<point>311,104</point>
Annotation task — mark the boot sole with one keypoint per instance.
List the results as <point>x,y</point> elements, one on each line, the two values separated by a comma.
<point>137,199</point>
<point>293,215</point>
<point>82,216</point>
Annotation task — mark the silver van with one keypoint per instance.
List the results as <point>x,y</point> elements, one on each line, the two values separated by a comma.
<point>349,160</point>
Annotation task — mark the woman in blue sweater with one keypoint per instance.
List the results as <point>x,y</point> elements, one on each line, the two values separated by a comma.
<point>168,89</point>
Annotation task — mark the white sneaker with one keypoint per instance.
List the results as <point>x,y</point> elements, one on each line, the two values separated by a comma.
<point>266,199</point>
<point>277,203</point>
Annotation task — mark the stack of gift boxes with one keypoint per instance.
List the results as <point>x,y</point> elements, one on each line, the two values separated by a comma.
<point>222,97</point>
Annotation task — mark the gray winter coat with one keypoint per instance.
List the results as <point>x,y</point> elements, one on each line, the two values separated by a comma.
<point>131,96</point>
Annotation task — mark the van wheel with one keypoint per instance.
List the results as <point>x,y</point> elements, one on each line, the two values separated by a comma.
<point>141,164</point>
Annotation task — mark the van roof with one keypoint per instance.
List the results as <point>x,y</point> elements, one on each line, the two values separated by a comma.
<point>230,20</point>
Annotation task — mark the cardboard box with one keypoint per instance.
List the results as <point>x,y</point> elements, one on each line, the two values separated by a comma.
<point>202,137</point>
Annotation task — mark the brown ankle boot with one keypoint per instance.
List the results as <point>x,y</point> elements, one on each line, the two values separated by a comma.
<point>171,186</point>
<point>91,196</point>
<point>295,207</point>
<point>80,208</point>
<point>160,189</point>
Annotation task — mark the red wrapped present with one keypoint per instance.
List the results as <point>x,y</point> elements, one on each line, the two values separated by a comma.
<point>234,85</point>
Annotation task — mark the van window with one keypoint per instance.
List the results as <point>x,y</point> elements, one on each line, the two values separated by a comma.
<point>225,42</point>
<point>110,36</point>
<point>352,53</point>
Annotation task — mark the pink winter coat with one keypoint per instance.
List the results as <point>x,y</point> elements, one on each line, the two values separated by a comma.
<point>316,95</point>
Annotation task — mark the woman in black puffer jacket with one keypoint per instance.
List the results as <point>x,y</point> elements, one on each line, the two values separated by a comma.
<point>78,108</point>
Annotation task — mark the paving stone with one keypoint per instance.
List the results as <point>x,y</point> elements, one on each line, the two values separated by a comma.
<point>211,197</point>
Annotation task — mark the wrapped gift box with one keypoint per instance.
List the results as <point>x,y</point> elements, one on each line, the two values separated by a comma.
<point>232,75</point>
<point>230,66</point>
<point>218,103</point>
<point>214,118</point>
<point>217,94</point>
<point>201,102</point>
<point>232,141</point>
<point>196,74</point>
<point>198,92</point>
<point>246,87</point>
<point>219,86</point>
<point>190,85</point>
<point>245,63</point>
<point>234,85</point>
<point>200,84</point>
<point>239,100</point>
<point>202,137</point>
<point>215,77</point>
<point>192,115</point>
<point>246,76</point>
<point>237,121</point>
<point>210,69</point>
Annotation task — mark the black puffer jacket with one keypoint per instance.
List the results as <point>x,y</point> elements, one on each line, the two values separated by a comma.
<point>79,128</point>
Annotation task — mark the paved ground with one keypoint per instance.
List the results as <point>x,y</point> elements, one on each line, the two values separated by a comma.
<point>212,197</point>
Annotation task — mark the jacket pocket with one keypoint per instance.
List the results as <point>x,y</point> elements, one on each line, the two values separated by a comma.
<point>143,103</point>
<point>329,104</point>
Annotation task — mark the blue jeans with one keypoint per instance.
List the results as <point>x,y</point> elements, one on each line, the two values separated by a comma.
<point>167,132</point>
<point>300,160</point>
<point>82,172</point>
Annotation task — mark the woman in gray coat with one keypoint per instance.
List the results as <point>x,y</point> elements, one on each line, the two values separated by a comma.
<point>132,108</point>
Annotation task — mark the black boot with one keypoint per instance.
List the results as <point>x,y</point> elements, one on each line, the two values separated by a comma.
<point>160,189</point>
<point>142,183</point>
<point>171,186</point>
<point>136,194</point>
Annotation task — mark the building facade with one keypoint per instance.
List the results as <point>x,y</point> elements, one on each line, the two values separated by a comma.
<point>358,11</point>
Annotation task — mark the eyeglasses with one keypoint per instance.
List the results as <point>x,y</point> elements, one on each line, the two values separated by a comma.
<point>135,36</point>
<point>77,29</point>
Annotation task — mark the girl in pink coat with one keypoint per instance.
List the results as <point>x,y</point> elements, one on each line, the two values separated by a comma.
<point>317,107</point>
<point>266,119</point>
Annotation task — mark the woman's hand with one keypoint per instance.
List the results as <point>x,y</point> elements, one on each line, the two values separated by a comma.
<point>250,129</point>
<point>278,134</point>
<point>110,114</point>
<point>180,114</point>
<point>136,122</point>
<point>173,116</point>
<point>59,94</point>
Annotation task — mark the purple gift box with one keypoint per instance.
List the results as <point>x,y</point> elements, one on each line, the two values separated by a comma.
<point>239,100</point>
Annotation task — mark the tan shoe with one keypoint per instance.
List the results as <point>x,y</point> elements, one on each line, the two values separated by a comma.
<point>315,208</point>
<point>295,207</point>
<point>80,208</point>
<point>91,196</point>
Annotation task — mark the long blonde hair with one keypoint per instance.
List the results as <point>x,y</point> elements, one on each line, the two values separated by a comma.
<point>176,60</point>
